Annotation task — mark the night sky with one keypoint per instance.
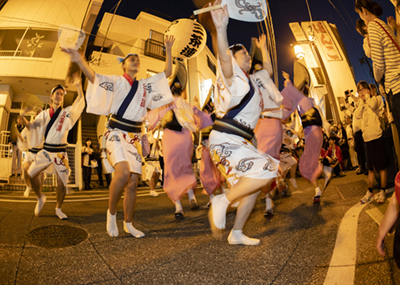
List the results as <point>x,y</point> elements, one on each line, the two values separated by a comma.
<point>283,12</point>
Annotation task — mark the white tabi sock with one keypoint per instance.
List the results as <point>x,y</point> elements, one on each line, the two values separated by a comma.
<point>39,205</point>
<point>27,191</point>
<point>237,237</point>
<point>60,214</point>
<point>219,206</point>
<point>294,182</point>
<point>112,228</point>
<point>317,191</point>
<point>178,207</point>
<point>131,230</point>
<point>191,195</point>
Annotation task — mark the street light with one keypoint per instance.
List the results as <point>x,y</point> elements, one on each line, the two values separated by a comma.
<point>298,51</point>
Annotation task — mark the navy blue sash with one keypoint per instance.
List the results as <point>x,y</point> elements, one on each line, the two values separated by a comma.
<point>128,99</point>
<point>239,107</point>
<point>51,123</point>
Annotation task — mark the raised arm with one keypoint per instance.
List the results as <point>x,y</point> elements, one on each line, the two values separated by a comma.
<point>82,63</point>
<point>169,41</point>
<point>78,84</point>
<point>261,43</point>
<point>221,19</point>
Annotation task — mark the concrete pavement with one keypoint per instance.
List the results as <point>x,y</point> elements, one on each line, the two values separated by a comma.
<point>297,245</point>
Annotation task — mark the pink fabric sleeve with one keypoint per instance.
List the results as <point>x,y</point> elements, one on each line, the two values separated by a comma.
<point>202,119</point>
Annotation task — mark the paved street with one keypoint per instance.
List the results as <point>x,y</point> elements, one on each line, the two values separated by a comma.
<point>298,246</point>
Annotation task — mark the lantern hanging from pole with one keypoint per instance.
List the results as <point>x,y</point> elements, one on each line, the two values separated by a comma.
<point>190,38</point>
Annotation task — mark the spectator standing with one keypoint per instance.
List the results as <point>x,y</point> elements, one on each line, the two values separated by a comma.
<point>87,155</point>
<point>15,133</point>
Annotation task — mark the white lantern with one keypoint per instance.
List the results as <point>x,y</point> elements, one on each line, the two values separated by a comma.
<point>190,38</point>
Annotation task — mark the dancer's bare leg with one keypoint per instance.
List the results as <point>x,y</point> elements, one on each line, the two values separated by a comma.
<point>25,168</point>
<point>36,183</point>
<point>121,177</point>
<point>129,205</point>
<point>246,186</point>
<point>130,197</point>
<point>245,207</point>
<point>154,180</point>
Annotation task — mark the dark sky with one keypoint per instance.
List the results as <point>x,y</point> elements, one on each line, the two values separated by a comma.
<point>283,12</point>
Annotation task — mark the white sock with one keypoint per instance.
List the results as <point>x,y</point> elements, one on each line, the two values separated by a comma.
<point>60,214</point>
<point>317,191</point>
<point>268,204</point>
<point>237,237</point>
<point>294,182</point>
<point>27,191</point>
<point>131,230</point>
<point>178,207</point>
<point>39,205</point>
<point>211,196</point>
<point>224,200</point>
<point>112,228</point>
<point>191,195</point>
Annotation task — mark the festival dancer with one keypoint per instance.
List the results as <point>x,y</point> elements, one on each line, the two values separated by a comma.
<point>153,168</point>
<point>29,156</point>
<point>177,143</point>
<point>312,121</point>
<point>239,101</point>
<point>268,131</point>
<point>210,177</point>
<point>127,100</point>
<point>54,125</point>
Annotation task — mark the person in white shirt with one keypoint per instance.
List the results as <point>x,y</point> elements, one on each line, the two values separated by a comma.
<point>377,157</point>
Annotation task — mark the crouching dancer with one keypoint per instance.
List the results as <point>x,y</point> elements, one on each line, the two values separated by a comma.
<point>127,100</point>
<point>239,101</point>
<point>52,127</point>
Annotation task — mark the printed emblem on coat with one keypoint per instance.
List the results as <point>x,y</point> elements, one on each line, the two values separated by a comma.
<point>259,83</point>
<point>148,87</point>
<point>109,86</point>
<point>224,151</point>
<point>114,138</point>
<point>243,123</point>
<point>270,165</point>
<point>157,97</point>
<point>245,164</point>
<point>47,155</point>
<point>135,154</point>
<point>35,124</point>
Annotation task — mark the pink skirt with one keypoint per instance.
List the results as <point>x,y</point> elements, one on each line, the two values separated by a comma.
<point>210,176</point>
<point>268,133</point>
<point>177,151</point>
<point>309,166</point>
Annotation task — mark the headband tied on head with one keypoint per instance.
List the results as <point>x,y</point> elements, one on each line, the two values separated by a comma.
<point>121,59</point>
<point>59,86</point>
<point>236,47</point>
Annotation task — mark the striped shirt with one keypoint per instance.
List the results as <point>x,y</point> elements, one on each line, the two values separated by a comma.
<point>385,55</point>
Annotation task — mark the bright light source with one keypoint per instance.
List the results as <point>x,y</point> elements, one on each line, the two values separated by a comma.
<point>298,51</point>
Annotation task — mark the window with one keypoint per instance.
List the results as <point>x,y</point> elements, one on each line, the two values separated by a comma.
<point>28,42</point>
<point>211,65</point>
<point>159,37</point>
<point>205,87</point>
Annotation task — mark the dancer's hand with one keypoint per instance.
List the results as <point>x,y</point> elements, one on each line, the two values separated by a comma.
<point>261,42</point>
<point>220,17</point>
<point>76,79</point>
<point>74,54</point>
<point>169,42</point>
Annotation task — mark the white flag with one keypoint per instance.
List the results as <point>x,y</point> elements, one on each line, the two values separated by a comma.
<point>246,10</point>
<point>70,37</point>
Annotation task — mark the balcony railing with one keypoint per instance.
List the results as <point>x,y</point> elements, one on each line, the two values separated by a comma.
<point>154,49</point>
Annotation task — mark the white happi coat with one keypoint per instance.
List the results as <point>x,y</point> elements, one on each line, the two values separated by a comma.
<point>105,96</point>
<point>57,135</point>
<point>26,145</point>
<point>238,156</point>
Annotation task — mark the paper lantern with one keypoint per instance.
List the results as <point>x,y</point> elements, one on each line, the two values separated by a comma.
<point>190,38</point>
